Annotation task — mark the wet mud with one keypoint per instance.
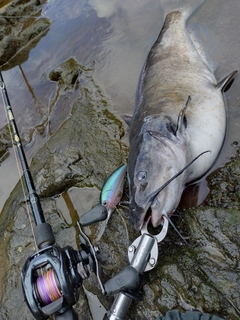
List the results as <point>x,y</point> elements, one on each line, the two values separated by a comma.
<point>77,141</point>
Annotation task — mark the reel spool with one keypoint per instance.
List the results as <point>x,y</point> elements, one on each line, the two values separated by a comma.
<point>47,287</point>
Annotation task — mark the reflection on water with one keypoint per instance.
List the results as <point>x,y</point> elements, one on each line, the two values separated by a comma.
<point>117,36</point>
<point>9,177</point>
<point>73,203</point>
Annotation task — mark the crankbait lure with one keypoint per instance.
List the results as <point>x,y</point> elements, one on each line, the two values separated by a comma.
<point>113,189</point>
<point>111,194</point>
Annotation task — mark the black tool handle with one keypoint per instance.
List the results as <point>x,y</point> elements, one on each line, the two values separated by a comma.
<point>128,278</point>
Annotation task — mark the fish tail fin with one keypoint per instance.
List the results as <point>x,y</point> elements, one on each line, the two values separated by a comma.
<point>186,7</point>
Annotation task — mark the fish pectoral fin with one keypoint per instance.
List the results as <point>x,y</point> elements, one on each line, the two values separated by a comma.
<point>127,119</point>
<point>225,84</point>
<point>182,120</point>
<point>158,136</point>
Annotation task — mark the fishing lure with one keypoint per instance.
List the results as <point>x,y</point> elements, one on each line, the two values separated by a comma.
<point>111,194</point>
<point>113,189</point>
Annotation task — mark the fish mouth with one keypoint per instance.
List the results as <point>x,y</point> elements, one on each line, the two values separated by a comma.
<point>139,215</point>
<point>147,217</point>
<point>150,211</point>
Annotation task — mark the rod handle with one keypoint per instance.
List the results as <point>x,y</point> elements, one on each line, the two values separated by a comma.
<point>44,235</point>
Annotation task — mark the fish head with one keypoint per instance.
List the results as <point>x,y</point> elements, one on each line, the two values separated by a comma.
<point>153,160</point>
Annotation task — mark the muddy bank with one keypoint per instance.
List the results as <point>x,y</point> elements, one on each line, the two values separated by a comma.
<point>82,153</point>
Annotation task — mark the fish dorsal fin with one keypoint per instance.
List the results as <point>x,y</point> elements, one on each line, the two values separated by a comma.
<point>225,84</point>
<point>127,119</point>
<point>182,121</point>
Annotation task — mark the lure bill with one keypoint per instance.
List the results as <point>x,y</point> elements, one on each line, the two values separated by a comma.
<point>111,194</point>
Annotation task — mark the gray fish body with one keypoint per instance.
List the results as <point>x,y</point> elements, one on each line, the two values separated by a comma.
<point>164,139</point>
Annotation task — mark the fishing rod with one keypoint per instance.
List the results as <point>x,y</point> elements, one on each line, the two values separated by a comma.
<point>52,276</point>
<point>43,231</point>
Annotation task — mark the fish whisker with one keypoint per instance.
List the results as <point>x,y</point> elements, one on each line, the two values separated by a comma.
<point>124,203</point>
<point>175,228</point>
<point>177,174</point>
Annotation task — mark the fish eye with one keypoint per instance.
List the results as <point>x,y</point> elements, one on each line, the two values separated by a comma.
<point>141,175</point>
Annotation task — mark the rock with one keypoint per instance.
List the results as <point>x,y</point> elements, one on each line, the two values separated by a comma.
<point>5,142</point>
<point>20,31</point>
<point>82,153</point>
<point>71,157</point>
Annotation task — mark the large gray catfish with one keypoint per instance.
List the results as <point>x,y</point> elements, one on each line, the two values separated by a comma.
<point>180,113</point>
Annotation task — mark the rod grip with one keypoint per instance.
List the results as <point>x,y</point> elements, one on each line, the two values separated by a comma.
<point>44,235</point>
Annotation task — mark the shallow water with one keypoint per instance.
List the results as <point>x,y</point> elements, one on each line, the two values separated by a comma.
<point>114,37</point>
